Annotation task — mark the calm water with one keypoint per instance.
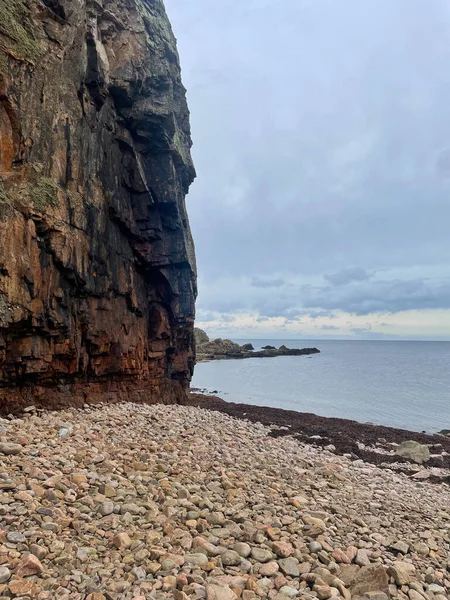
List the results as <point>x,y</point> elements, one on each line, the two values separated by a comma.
<point>401,384</point>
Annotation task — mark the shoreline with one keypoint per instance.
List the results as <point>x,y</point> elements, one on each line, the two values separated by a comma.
<point>373,444</point>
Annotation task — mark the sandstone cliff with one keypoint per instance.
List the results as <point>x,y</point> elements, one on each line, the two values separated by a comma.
<point>97,266</point>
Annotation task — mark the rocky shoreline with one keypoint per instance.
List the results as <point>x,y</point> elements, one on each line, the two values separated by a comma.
<point>375,444</point>
<point>138,502</point>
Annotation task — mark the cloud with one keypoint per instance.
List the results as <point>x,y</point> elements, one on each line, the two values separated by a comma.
<point>267,283</point>
<point>312,156</point>
<point>347,275</point>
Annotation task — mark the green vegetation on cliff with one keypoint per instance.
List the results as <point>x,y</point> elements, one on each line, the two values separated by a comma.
<point>16,34</point>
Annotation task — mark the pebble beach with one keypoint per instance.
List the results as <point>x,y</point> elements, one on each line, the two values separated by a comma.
<point>126,501</point>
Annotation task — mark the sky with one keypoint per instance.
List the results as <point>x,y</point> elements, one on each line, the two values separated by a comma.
<point>321,134</point>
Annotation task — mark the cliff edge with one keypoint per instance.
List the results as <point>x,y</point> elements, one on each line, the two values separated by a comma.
<point>97,264</point>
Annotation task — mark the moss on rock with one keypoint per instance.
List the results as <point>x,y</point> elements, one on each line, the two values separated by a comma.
<point>5,203</point>
<point>15,25</point>
<point>44,194</point>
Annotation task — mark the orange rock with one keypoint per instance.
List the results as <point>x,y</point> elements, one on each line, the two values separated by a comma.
<point>29,565</point>
<point>23,587</point>
<point>122,540</point>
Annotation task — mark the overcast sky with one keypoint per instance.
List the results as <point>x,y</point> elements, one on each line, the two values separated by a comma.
<point>321,136</point>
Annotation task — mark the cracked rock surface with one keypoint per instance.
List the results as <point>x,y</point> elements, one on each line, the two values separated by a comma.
<point>97,265</point>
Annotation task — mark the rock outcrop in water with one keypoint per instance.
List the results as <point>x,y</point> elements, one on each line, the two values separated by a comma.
<point>97,266</point>
<point>220,349</point>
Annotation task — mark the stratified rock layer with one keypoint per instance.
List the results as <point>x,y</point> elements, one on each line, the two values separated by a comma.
<point>97,266</point>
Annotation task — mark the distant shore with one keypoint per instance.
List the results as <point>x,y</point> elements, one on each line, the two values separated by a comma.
<point>371,443</point>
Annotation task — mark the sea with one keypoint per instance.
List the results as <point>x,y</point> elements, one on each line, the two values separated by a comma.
<point>398,384</point>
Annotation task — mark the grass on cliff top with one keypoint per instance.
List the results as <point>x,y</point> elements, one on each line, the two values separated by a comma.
<point>15,24</point>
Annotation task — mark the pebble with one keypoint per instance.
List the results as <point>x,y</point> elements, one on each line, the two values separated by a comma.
<point>16,537</point>
<point>314,547</point>
<point>5,574</point>
<point>138,502</point>
<point>8,448</point>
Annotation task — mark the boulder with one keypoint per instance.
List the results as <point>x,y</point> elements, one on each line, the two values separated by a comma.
<point>247,347</point>
<point>411,450</point>
<point>371,578</point>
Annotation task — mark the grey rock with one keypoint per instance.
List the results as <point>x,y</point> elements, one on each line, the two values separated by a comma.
<point>230,558</point>
<point>289,566</point>
<point>261,555</point>
<point>314,547</point>
<point>411,450</point>
<point>5,574</point>
<point>16,537</point>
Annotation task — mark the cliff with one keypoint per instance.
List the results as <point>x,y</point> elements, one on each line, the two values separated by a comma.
<point>97,265</point>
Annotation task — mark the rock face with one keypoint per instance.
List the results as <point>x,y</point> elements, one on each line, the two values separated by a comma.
<point>201,337</point>
<point>97,265</point>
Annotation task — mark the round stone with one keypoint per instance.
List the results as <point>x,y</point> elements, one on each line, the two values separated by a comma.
<point>5,574</point>
<point>314,547</point>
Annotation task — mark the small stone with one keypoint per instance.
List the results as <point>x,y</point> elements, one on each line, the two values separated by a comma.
<point>402,572</point>
<point>289,566</point>
<point>413,595</point>
<point>362,558</point>
<point>8,448</point>
<point>261,555</point>
<point>139,573</point>
<point>323,591</point>
<point>64,433</point>
<point>230,558</point>
<point>314,547</point>
<point>15,537</point>
<point>401,547</point>
<point>106,508</point>
<point>282,549</point>
<point>38,551</point>
<point>340,556</point>
<point>269,569</point>
<point>422,549</point>
<point>198,560</point>
<point>5,574</point>
<point>22,587</point>
<point>29,565</point>
<point>242,549</point>
<point>122,540</point>
<point>153,567</point>
<point>96,596</point>
<point>219,592</point>
<point>288,591</point>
